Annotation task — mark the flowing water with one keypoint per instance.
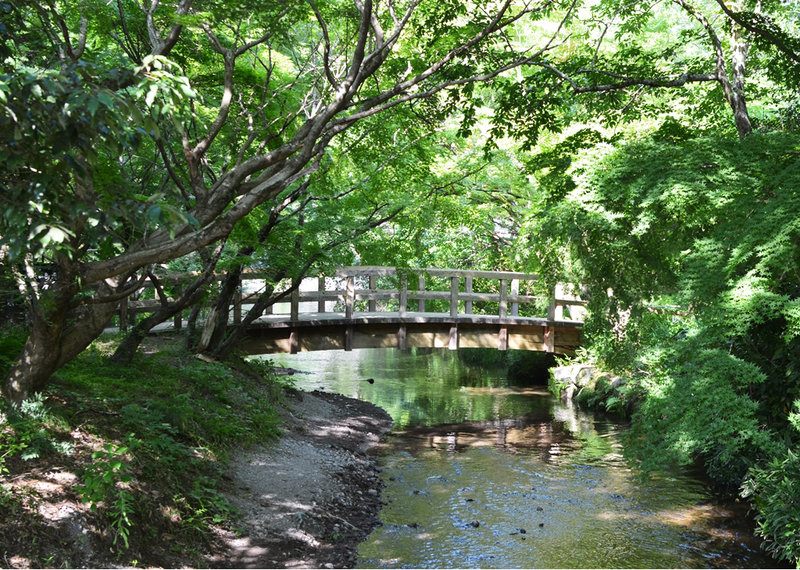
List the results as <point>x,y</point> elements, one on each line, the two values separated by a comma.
<point>484,474</point>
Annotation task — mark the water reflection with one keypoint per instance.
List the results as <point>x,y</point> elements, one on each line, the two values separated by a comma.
<point>483,474</point>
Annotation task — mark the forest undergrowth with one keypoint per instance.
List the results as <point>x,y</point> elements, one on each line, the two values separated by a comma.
<point>122,465</point>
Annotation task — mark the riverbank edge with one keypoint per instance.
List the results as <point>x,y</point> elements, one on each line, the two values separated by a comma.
<point>327,498</point>
<point>46,521</point>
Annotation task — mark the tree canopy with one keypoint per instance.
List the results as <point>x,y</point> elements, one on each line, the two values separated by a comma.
<point>644,151</point>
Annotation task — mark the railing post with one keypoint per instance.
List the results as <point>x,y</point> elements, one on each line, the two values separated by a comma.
<point>403,298</point>
<point>454,296</point>
<point>421,289</point>
<point>349,297</point>
<point>468,289</point>
<point>373,285</point>
<point>558,308</point>
<point>321,289</point>
<point>503,298</point>
<point>295,307</point>
<point>514,292</point>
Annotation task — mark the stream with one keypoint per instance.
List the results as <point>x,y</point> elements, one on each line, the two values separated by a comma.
<point>481,473</point>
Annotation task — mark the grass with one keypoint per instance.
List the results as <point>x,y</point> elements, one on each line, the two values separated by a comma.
<point>146,444</point>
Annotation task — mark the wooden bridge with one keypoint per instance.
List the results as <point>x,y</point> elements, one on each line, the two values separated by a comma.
<point>372,317</point>
<point>349,311</point>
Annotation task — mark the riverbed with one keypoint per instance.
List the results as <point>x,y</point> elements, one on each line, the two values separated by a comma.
<point>484,473</point>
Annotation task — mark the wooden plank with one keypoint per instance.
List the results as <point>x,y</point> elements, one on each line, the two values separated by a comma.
<point>503,298</point>
<point>348,338</point>
<point>454,296</point>
<point>502,338</point>
<point>514,293</point>
<point>373,285</point>
<point>380,336</point>
<point>477,338</point>
<point>365,270</point>
<point>526,338</point>
<point>430,337</point>
<point>478,274</point>
<point>349,297</point>
<point>403,301</point>
<point>558,311</point>
<point>420,294</point>
<point>467,291</point>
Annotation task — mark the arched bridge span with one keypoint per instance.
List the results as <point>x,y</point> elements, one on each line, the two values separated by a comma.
<point>350,311</point>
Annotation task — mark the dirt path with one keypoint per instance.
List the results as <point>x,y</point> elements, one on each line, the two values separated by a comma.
<point>307,501</point>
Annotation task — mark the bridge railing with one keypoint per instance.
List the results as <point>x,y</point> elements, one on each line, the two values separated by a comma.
<point>508,298</point>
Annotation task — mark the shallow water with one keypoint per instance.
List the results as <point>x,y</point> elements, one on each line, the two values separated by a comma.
<point>483,474</point>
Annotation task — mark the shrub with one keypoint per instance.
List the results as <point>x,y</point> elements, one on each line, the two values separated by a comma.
<point>12,340</point>
<point>775,492</point>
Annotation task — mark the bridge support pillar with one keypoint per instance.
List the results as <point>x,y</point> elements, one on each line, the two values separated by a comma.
<point>453,340</point>
<point>401,337</point>
<point>294,342</point>
<point>502,338</point>
<point>348,338</point>
<point>550,339</point>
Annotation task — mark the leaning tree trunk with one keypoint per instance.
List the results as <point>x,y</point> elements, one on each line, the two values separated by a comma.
<point>225,348</point>
<point>130,344</point>
<point>230,287</point>
<point>190,295</point>
<point>52,343</point>
<point>191,326</point>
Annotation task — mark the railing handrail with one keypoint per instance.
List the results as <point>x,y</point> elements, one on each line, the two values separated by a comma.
<point>378,270</point>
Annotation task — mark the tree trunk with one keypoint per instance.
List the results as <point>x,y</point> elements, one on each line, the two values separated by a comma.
<point>191,295</point>
<point>739,49</point>
<point>52,343</point>
<point>226,297</point>
<point>191,326</point>
<point>224,349</point>
<point>130,344</point>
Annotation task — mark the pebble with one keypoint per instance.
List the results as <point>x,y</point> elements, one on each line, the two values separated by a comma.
<point>372,492</point>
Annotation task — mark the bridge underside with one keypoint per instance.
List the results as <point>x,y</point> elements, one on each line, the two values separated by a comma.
<point>306,336</point>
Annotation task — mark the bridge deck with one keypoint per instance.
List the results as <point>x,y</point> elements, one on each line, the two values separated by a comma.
<point>334,331</point>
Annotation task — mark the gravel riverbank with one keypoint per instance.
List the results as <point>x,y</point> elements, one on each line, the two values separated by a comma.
<point>308,500</point>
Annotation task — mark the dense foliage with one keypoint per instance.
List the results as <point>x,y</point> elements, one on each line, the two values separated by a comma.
<point>707,226</point>
<point>646,153</point>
